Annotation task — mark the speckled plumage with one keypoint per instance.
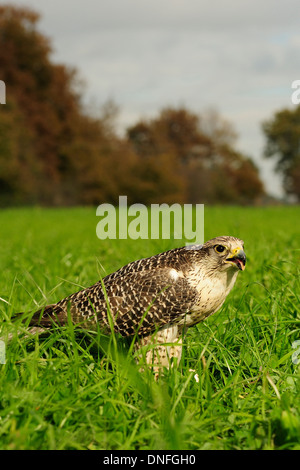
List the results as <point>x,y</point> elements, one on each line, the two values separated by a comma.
<point>157,297</point>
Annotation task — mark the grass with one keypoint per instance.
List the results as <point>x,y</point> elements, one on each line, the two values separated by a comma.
<point>65,392</point>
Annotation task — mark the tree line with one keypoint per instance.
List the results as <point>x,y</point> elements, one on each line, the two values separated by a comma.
<point>54,152</point>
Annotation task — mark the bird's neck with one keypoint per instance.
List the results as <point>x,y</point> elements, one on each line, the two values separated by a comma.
<point>219,282</point>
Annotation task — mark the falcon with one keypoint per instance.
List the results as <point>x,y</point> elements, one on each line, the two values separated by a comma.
<point>155,299</point>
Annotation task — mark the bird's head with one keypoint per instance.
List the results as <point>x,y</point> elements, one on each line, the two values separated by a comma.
<point>226,253</point>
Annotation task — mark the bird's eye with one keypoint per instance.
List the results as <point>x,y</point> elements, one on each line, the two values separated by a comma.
<point>220,248</point>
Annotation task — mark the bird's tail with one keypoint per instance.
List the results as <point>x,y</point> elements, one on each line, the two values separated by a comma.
<point>46,316</point>
<point>49,315</point>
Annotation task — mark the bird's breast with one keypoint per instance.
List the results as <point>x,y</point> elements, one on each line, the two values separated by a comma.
<point>211,294</point>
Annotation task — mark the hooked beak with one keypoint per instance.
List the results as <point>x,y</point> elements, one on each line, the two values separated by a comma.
<point>238,259</point>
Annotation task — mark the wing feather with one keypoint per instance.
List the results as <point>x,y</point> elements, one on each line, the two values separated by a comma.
<point>140,296</point>
<point>141,300</point>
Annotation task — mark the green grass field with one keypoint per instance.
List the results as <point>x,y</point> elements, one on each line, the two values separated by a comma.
<point>65,392</point>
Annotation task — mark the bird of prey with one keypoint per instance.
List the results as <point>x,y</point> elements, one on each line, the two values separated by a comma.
<point>156,298</point>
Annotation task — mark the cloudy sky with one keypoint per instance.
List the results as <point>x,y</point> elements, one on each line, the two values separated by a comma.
<point>238,57</point>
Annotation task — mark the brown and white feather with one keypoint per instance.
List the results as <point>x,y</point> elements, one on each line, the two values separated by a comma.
<point>164,294</point>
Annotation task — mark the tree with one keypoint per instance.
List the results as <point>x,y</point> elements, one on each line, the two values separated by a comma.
<point>54,152</point>
<point>18,169</point>
<point>283,144</point>
<point>201,155</point>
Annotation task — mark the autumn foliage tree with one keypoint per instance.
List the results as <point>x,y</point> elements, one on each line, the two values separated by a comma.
<point>53,152</point>
<point>201,157</point>
<point>33,87</point>
<point>282,134</point>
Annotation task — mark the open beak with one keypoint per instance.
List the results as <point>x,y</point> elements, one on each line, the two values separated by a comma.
<point>238,259</point>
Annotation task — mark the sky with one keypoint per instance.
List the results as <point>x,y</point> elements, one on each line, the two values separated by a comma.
<point>237,57</point>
